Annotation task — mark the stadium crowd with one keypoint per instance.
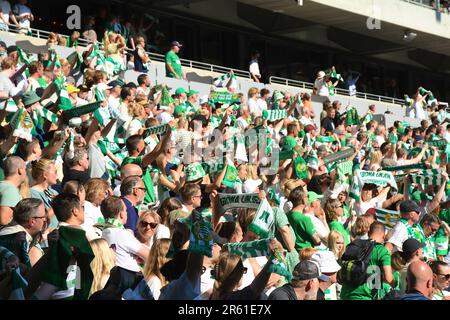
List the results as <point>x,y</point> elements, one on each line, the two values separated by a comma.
<point>112,190</point>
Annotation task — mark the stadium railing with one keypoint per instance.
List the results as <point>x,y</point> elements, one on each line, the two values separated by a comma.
<point>244,75</point>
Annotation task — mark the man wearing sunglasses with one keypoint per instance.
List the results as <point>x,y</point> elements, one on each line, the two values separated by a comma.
<point>133,193</point>
<point>441,280</point>
<point>29,220</point>
<point>430,225</point>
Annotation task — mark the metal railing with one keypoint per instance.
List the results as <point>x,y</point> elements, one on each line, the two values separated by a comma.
<point>42,34</point>
<point>425,4</point>
<point>344,92</point>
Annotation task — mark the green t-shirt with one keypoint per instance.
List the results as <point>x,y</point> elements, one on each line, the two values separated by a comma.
<point>9,194</point>
<point>339,227</point>
<point>303,229</point>
<point>380,257</point>
<point>289,143</point>
<point>174,61</point>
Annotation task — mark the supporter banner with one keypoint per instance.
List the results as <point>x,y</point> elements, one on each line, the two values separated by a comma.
<point>264,220</point>
<point>224,97</point>
<point>379,178</point>
<point>232,201</point>
<point>156,130</point>
<point>338,156</point>
<point>201,240</point>
<point>388,217</point>
<point>274,115</point>
<point>231,177</point>
<point>420,166</point>
<point>301,168</point>
<point>344,169</point>
<point>252,249</point>
<point>22,125</point>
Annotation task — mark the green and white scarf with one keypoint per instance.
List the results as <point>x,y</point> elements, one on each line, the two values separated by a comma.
<point>156,130</point>
<point>430,177</point>
<point>22,125</point>
<point>222,81</point>
<point>232,201</point>
<point>388,217</point>
<point>274,115</point>
<point>344,169</point>
<point>379,178</point>
<point>419,166</point>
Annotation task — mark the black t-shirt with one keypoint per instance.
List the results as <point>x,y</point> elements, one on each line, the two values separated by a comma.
<point>320,295</point>
<point>328,124</point>
<point>285,292</point>
<point>81,176</point>
<point>245,294</point>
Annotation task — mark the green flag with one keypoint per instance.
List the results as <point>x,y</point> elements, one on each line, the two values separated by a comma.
<point>22,125</point>
<point>301,167</point>
<point>231,176</point>
<point>64,100</point>
<point>264,220</point>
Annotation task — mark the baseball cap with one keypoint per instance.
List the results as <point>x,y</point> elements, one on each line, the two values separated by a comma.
<point>114,84</point>
<point>321,74</point>
<point>11,49</point>
<point>176,44</point>
<point>312,196</point>
<point>309,128</point>
<point>251,185</point>
<point>409,206</point>
<point>72,89</point>
<point>412,245</point>
<point>192,92</point>
<point>306,270</point>
<point>180,91</point>
<point>326,261</point>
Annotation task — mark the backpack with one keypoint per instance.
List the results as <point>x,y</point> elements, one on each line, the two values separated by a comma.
<point>354,262</point>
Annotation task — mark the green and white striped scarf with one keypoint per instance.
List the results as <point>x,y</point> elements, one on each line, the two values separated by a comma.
<point>379,178</point>
<point>419,166</point>
<point>253,249</point>
<point>274,115</point>
<point>222,81</point>
<point>344,169</point>
<point>232,201</point>
<point>388,217</point>
<point>64,100</point>
<point>430,177</point>
<point>156,130</point>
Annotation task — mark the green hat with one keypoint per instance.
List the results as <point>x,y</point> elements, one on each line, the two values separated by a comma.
<point>29,98</point>
<point>278,95</point>
<point>312,196</point>
<point>194,172</point>
<point>419,196</point>
<point>192,92</point>
<point>180,91</point>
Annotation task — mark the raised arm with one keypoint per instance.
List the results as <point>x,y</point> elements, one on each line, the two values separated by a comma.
<point>150,157</point>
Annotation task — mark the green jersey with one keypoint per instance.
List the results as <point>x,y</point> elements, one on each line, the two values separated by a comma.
<point>174,61</point>
<point>303,229</point>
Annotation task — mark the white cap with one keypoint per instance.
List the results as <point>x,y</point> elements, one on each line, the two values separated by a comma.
<point>251,185</point>
<point>321,74</point>
<point>327,261</point>
<point>203,99</point>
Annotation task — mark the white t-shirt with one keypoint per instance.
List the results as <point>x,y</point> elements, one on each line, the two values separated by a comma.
<point>207,283</point>
<point>155,286</point>
<point>126,247</point>
<point>420,113</point>
<point>91,216</point>
<point>254,68</point>
<point>162,232</point>
<point>133,128</point>
<point>361,207</point>
<point>398,236</point>
<point>262,104</point>
<point>164,118</point>
<point>254,107</point>
<point>447,136</point>
<point>322,88</point>
<point>321,231</point>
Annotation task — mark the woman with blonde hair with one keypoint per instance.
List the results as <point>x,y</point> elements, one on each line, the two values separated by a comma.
<point>97,190</point>
<point>149,228</point>
<point>44,176</point>
<point>252,103</point>
<point>361,229</point>
<point>306,253</point>
<point>336,244</point>
<point>138,115</point>
<point>286,190</point>
<point>104,260</point>
<point>333,211</point>
<point>152,269</point>
<point>65,67</point>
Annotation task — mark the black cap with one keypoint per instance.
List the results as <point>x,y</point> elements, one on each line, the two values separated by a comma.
<point>176,44</point>
<point>409,206</point>
<point>3,44</point>
<point>218,239</point>
<point>306,270</point>
<point>11,49</point>
<point>114,84</point>
<point>412,245</point>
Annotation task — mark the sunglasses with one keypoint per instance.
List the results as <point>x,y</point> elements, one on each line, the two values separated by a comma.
<point>152,225</point>
<point>446,276</point>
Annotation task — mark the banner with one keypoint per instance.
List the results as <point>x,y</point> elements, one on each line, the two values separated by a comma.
<point>232,201</point>
<point>379,178</point>
<point>224,97</point>
<point>264,220</point>
<point>79,111</point>
<point>231,176</point>
<point>274,115</point>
